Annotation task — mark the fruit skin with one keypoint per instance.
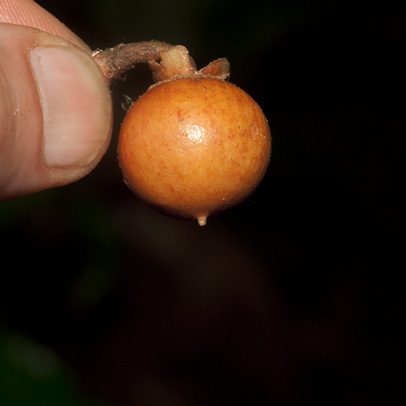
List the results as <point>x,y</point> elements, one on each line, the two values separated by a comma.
<point>194,146</point>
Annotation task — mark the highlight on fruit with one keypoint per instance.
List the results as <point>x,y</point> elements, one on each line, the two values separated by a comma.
<point>194,144</point>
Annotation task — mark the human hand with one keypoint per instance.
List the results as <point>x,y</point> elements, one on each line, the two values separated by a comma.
<point>55,105</point>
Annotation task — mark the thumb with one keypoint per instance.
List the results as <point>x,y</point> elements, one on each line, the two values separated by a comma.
<point>55,111</point>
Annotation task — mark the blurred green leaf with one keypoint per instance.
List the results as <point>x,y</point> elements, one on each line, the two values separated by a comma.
<point>32,374</point>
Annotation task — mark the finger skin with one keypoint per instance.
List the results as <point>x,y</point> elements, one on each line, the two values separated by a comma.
<point>30,14</point>
<point>22,167</point>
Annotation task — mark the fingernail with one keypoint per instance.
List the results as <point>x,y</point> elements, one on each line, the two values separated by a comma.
<point>76,105</point>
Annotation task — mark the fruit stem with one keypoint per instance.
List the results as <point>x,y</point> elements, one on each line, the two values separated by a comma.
<point>115,62</point>
<point>166,61</point>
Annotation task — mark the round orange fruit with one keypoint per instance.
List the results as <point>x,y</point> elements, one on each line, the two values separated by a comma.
<point>194,146</point>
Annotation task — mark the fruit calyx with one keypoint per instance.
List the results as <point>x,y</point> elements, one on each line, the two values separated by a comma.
<point>176,62</point>
<point>166,61</point>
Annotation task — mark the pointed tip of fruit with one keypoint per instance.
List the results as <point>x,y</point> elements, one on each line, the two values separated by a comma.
<point>202,220</point>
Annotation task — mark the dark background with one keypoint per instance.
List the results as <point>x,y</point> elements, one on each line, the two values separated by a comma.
<point>292,298</point>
